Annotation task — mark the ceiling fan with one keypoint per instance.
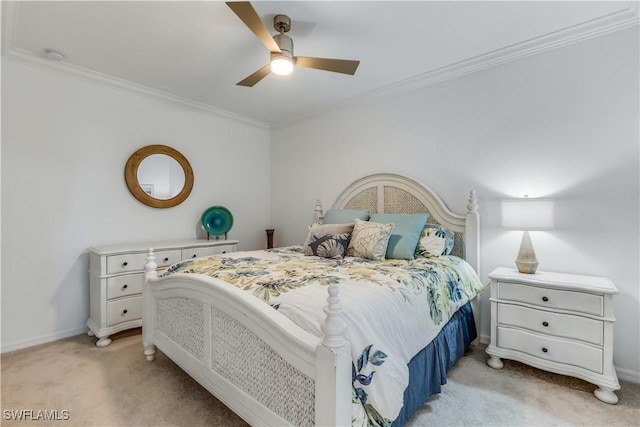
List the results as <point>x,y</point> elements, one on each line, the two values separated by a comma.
<point>281,47</point>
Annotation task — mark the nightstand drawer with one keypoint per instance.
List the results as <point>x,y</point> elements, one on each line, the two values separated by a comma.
<point>211,250</point>
<point>127,284</point>
<point>580,302</point>
<point>124,309</point>
<point>552,349</point>
<point>561,325</point>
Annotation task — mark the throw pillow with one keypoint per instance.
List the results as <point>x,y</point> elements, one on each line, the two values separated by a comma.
<point>369,240</point>
<point>328,245</point>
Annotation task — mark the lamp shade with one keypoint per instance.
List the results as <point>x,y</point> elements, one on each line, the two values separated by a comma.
<point>527,214</point>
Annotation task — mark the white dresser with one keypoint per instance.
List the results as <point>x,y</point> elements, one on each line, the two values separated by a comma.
<point>116,276</point>
<point>561,323</point>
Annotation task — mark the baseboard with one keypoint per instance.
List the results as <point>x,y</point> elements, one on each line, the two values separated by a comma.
<point>485,339</point>
<point>628,375</point>
<point>19,345</point>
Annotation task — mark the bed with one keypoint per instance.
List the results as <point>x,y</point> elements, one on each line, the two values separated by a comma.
<point>282,338</point>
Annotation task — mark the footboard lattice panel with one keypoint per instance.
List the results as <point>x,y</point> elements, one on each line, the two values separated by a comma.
<point>182,320</point>
<point>248,362</point>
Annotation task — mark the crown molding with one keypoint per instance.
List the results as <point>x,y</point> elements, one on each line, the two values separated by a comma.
<point>601,26</point>
<point>112,82</point>
<point>10,52</point>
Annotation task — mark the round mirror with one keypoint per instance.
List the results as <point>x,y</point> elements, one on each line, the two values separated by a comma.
<point>159,176</point>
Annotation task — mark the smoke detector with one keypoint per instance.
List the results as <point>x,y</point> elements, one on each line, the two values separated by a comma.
<point>53,55</point>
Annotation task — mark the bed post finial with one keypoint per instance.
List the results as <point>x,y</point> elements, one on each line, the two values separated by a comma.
<point>472,206</point>
<point>150,266</point>
<point>333,326</point>
<point>317,212</point>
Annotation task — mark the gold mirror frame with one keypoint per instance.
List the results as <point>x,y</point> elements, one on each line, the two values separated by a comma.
<point>131,176</point>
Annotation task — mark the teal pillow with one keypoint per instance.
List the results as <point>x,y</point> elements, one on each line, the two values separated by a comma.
<point>345,216</point>
<point>405,235</point>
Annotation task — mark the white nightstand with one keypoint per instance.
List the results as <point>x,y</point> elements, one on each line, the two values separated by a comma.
<point>116,276</point>
<point>561,323</point>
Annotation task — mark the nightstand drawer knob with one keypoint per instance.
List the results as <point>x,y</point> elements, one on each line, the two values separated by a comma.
<point>194,256</point>
<point>125,312</point>
<point>544,349</point>
<point>166,259</point>
<point>224,252</point>
<point>125,263</point>
<point>545,299</point>
<point>125,286</point>
<point>545,324</point>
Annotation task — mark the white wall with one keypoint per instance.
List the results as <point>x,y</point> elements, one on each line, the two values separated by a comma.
<point>65,143</point>
<point>562,124</point>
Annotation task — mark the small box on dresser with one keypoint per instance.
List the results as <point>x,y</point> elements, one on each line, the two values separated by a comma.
<point>558,322</point>
<point>116,277</point>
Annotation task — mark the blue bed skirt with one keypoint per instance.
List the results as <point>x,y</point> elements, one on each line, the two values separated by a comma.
<point>428,368</point>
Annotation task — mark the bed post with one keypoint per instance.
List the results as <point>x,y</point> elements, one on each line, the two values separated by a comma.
<point>333,368</point>
<point>472,252</point>
<point>472,233</point>
<point>317,213</point>
<point>147,306</point>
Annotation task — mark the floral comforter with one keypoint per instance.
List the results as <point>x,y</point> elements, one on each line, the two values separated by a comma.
<point>392,308</point>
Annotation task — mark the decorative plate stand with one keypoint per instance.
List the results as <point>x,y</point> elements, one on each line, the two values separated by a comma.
<point>217,221</point>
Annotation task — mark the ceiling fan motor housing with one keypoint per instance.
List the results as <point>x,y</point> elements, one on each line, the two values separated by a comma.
<point>285,43</point>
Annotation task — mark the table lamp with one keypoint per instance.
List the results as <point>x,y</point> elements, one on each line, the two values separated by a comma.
<point>527,214</point>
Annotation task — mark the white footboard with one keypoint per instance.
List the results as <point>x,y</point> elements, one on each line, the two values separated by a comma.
<point>265,368</point>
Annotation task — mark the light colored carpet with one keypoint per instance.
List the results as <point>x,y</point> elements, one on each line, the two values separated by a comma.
<point>116,386</point>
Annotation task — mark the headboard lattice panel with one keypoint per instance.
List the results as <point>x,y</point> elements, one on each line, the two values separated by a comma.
<point>397,200</point>
<point>367,199</point>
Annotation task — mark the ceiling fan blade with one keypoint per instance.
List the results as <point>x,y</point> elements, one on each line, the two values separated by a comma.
<point>249,16</point>
<point>343,66</point>
<point>255,77</point>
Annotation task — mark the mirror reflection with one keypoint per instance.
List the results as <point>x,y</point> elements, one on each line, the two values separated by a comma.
<point>160,176</point>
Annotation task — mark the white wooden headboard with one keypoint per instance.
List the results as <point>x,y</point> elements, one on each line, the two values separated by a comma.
<point>391,193</point>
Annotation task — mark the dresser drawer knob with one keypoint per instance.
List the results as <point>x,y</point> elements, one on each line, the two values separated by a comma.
<point>166,259</point>
<point>124,264</point>
<point>193,256</point>
<point>125,286</point>
<point>224,252</point>
<point>545,299</point>
<point>544,349</point>
<point>125,311</point>
<point>545,324</point>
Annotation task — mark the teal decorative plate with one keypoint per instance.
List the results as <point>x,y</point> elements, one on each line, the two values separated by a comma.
<point>217,220</point>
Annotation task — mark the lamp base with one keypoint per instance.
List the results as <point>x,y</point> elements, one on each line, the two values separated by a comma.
<point>526,262</point>
<point>527,267</point>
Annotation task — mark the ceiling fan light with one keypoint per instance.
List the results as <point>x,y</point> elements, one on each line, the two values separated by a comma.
<point>281,65</point>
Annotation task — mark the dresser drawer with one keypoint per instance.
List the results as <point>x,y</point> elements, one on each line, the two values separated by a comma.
<point>552,298</point>
<point>123,310</point>
<point>550,348</point>
<point>561,325</point>
<point>127,284</point>
<point>206,251</point>
<point>135,262</point>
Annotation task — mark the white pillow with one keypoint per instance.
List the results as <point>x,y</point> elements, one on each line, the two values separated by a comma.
<point>369,240</point>
<point>435,240</point>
